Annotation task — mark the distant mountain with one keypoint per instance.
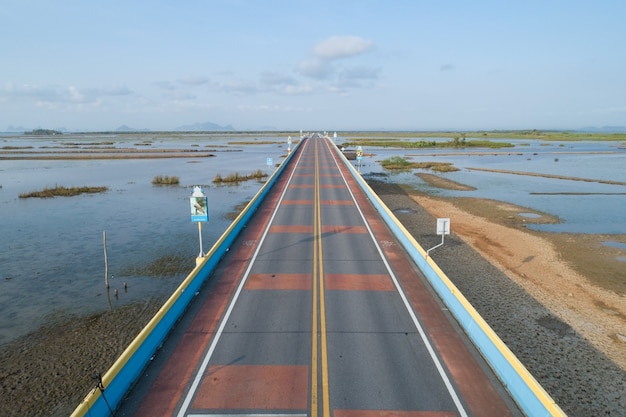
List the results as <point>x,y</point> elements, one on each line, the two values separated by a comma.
<point>16,129</point>
<point>604,129</point>
<point>204,127</point>
<point>124,128</point>
<point>37,130</point>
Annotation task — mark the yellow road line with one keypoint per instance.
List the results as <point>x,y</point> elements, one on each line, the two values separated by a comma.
<point>314,388</point>
<point>318,293</point>
<point>325,393</point>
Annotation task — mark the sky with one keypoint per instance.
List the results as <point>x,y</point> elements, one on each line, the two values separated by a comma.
<point>312,65</point>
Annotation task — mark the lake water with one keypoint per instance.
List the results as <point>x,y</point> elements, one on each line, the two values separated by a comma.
<point>582,207</point>
<point>51,250</point>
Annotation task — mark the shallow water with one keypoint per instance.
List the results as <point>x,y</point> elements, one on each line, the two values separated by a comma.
<point>51,250</point>
<point>618,245</point>
<point>582,207</point>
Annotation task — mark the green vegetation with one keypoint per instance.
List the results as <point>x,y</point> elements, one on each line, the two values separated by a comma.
<point>61,191</point>
<point>548,135</point>
<point>44,132</point>
<point>396,162</point>
<point>232,215</point>
<point>485,144</point>
<point>165,266</point>
<point>165,180</point>
<point>105,143</point>
<point>436,166</point>
<point>237,178</point>
<point>456,142</point>
<point>399,163</point>
<point>263,142</point>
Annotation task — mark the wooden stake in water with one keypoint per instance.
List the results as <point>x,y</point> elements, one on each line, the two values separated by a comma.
<point>106,262</point>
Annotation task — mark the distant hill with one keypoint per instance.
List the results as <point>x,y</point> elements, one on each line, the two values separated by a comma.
<point>16,129</point>
<point>204,127</point>
<point>124,128</point>
<point>36,131</point>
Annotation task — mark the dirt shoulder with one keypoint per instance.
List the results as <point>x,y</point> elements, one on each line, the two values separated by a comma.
<point>544,266</point>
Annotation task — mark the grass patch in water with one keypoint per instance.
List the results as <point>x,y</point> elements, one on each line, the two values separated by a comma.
<point>255,142</point>
<point>399,163</point>
<point>455,143</point>
<point>165,266</point>
<point>61,191</point>
<point>232,215</point>
<point>436,166</point>
<point>237,178</point>
<point>165,180</point>
<point>395,162</point>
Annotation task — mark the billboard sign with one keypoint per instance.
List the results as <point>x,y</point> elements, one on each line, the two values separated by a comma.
<point>199,205</point>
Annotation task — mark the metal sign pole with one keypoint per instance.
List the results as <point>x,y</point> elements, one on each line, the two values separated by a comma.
<point>200,239</point>
<point>443,228</point>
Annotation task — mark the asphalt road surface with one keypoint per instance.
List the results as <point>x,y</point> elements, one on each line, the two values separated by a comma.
<point>316,311</point>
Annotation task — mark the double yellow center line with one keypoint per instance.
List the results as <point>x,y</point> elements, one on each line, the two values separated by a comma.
<point>318,331</point>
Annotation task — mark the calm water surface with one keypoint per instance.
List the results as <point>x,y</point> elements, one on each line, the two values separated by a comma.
<point>600,209</point>
<point>51,250</point>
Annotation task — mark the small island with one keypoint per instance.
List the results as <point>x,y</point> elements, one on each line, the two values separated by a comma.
<point>43,132</point>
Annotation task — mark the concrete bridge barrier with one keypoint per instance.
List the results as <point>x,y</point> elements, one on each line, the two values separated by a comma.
<point>104,399</point>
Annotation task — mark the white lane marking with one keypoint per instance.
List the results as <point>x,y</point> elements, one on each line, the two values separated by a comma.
<point>407,305</point>
<point>205,362</point>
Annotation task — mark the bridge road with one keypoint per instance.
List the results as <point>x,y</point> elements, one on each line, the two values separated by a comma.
<point>316,311</point>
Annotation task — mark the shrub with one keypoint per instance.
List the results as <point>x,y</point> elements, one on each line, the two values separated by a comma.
<point>165,180</point>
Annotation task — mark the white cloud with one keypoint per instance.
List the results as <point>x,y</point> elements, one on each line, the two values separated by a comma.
<point>324,64</point>
<point>337,47</point>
